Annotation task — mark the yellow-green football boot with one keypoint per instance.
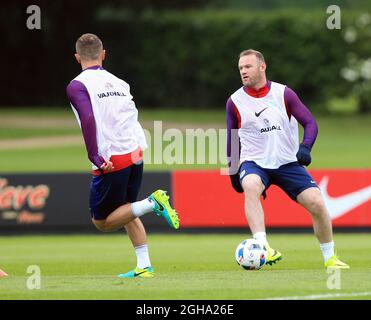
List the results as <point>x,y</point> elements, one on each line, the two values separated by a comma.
<point>163,208</point>
<point>334,262</point>
<point>148,272</point>
<point>273,256</point>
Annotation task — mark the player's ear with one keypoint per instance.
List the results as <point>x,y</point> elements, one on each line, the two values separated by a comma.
<point>263,66</point>
<point>77,57</point>
<point>103,54</point>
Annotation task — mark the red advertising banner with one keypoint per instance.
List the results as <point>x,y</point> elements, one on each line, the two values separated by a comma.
<point>206,199</point>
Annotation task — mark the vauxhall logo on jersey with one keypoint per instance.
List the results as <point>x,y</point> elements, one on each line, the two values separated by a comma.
<point>109,86</point>
<point>111,94</point>
<point>269,128</point>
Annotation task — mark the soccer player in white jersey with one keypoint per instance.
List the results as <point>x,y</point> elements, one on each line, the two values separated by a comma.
<point>266,151</point>
<point>114,140</point>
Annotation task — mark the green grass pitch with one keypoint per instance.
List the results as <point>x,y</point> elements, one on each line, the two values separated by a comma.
<point>188,266</point>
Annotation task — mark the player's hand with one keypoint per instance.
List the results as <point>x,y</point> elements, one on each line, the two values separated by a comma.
<point>107,166</point>
<point>235,180</point>
<point>303,155</point>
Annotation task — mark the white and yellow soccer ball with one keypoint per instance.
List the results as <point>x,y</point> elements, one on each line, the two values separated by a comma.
<point>251,254</point>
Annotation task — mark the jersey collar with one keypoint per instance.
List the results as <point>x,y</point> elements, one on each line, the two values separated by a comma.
<point>259,93</point>
<point>97,67</point>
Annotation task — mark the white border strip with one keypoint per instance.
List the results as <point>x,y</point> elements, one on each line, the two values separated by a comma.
<point>323,296</point>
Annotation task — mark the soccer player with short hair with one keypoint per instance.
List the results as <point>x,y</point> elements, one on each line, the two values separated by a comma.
<point>266,151</point>
<point>114,140</point>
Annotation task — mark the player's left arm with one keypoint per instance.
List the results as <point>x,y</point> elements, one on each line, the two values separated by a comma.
<point>296,108</point>
<point>80,100</point>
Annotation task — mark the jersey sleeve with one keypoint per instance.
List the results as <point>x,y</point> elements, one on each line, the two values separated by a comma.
<point>233,120</point>
<point>80,101</point>
<point>302,114</point>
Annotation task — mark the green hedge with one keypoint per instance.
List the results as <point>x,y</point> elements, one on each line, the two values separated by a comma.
<point>183,59</point>
<point>190,60</point>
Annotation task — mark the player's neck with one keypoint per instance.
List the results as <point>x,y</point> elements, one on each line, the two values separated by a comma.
<point>88,64</point>
<point>261,84</point>
<point>261,91</point>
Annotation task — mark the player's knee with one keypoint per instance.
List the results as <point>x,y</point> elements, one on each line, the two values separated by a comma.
<point>317,206</point>
<point>101,225</point>
<point>252,186</point>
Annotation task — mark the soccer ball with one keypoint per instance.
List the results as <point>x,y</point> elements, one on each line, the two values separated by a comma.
<point>251,254</point>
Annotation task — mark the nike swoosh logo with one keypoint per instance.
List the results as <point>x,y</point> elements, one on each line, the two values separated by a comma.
<point>160,205</point>
<point>260,112</point>
<point>338,206</point>
<point>137,274</point>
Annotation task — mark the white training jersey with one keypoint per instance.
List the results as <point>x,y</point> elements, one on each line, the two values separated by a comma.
<point>267,135</point>
<point>116,116</point>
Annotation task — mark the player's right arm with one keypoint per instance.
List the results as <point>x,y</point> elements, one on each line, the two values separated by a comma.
<point>80,101</point>
<point>233,144</point>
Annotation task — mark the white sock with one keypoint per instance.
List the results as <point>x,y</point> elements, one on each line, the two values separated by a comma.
<point>142,256</point>
<point>327,250</point>
<point>139,208</point>
<point>261,236</point>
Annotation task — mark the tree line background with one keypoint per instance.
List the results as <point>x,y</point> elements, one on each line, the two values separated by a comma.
<point>183,54</point>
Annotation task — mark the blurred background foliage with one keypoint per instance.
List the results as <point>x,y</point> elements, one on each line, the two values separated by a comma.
<point>183,54</point>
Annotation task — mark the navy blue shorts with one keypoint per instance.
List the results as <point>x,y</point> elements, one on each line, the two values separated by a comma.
<point>112,190</point>
<point>291,177</point>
